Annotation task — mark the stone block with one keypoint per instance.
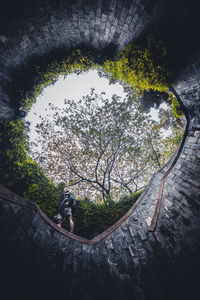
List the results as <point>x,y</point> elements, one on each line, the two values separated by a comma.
<point>148,220</point>
<point>147,246</point>
<point>171,175</point>
<point>160,238</point>
<point>124,13</point>
<point>170,181</point>
<point>132,9</point>
<point>112,5</point>
<point>185,184</point>
<point>183,190</point>
<point>177,203</point>
<point>192,166</point>
<point>185,201</point>
<point>142,253</point>
<point>132,250</point>
<point>195,146</point>
<point>167,203</point>
<point>133,230</point>
<point>125,27</point>
<point>128,20</point>
<point>138,242</point>
<point>103,18</point>
<point>121,22</point>
<point>187,211</point>
<point>142,234</point>
<point>178,165</point>
<point>63,243</point>
<point>176,193</point>
<point>188,151</point>
<point>109,244</point>
<point>193,181</point>
<point>183,156</point>
<point>197,134</point>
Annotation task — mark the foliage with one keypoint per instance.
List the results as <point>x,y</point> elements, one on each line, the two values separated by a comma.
<point>176,107</point>
<point>76,62</point>
<point>19,173</point>
<point>168,120</point>
<point>171,143</point>
<point>26,178</point>
<point>98,145</point>
<point>140,67</point>
<point>92,219</point>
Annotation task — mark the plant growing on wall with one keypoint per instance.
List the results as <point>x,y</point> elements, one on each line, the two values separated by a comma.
<point>139,67</point>
<point>76,62</point>
<point>19,173</point>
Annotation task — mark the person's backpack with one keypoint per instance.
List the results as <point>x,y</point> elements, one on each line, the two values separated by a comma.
<point>69,197</point>
<point>75,204</point>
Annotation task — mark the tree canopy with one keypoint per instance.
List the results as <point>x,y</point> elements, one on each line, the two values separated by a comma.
<point>99,147</point>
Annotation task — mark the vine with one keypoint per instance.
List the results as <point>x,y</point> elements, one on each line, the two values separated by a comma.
<point>75,63</point>
<point>138,67</point>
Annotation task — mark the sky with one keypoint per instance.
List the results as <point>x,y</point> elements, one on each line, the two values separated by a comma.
<point>74,87</point>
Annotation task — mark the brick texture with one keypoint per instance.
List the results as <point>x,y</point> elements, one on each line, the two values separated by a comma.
<point>129,261</point>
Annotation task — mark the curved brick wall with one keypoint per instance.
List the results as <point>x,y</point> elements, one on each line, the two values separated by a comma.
<point>131,261</point>
<point>47,27</point>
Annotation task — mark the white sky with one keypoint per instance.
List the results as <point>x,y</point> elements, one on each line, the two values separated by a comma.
<point>74,87</point>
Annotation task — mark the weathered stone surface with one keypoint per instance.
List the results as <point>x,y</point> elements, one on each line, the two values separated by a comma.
<point>125,250</point>
<point>64,26</point>
<point>130,262</point>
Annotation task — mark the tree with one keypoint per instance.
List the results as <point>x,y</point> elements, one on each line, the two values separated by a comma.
<point>98,147</point>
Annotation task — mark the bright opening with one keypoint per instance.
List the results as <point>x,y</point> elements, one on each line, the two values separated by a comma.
<point>100,149</point>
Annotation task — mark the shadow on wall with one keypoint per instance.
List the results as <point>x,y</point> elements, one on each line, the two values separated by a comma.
<point>180,33</point>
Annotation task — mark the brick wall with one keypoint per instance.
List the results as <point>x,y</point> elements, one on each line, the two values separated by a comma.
<point>130,261</point>
<point>44,28</point>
